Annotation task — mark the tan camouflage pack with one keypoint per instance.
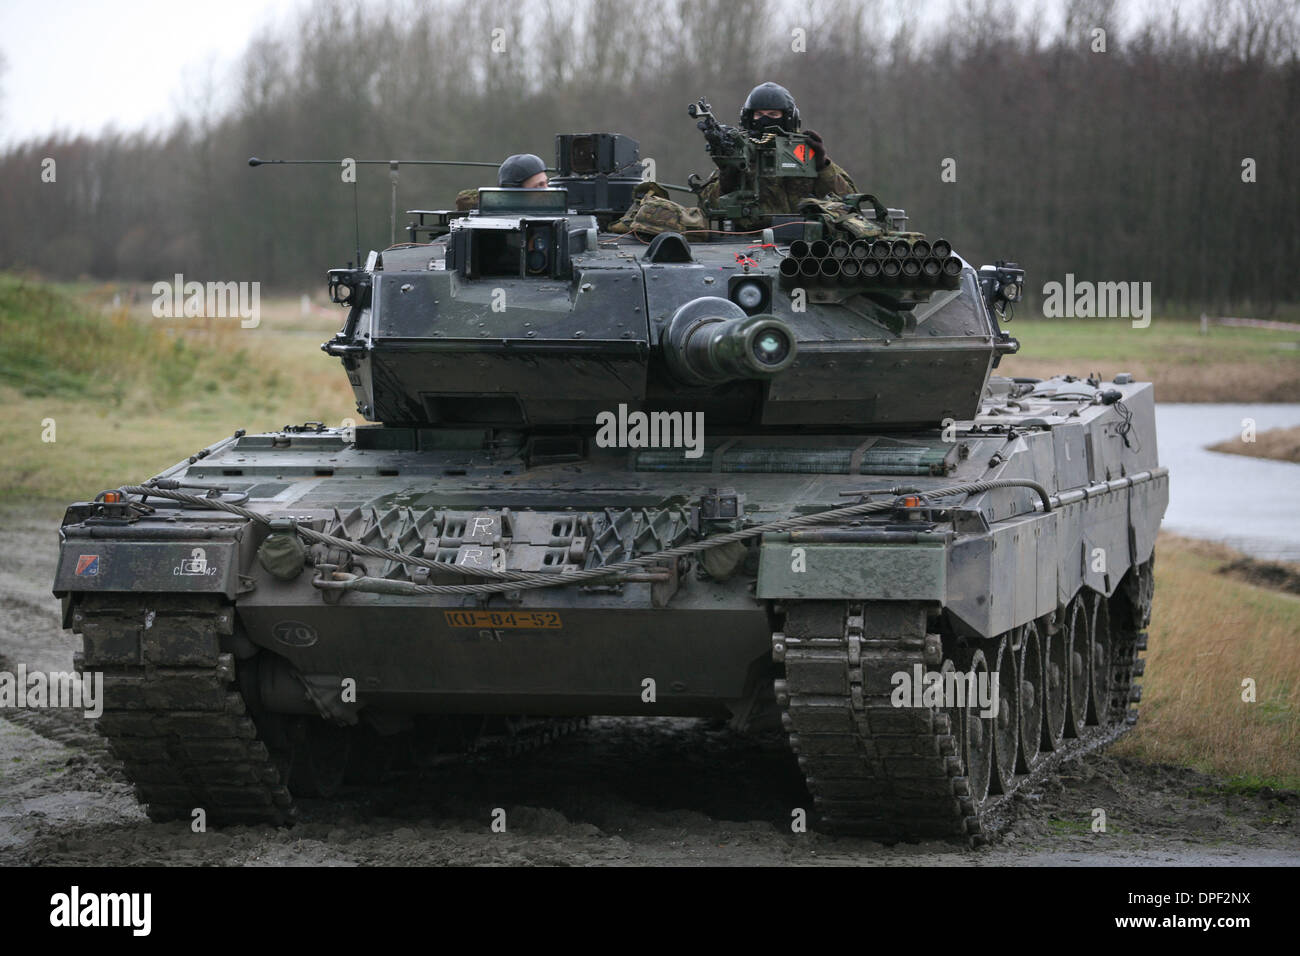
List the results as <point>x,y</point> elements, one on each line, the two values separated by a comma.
<point>652,212</point>
<point>840,218</point>
<point>658,215</point>
<point>624,224</point>
<point>467,199</point>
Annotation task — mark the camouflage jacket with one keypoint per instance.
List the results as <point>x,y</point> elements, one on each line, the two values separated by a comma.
<point>781,196</point>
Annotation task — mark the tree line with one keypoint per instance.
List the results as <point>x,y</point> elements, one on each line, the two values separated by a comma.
<point>1113,146</point>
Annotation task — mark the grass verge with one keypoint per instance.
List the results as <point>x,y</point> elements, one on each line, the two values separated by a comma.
<point>1281,444</point>
<point>1228,364</point>
<point>1209,633</point>
<point>123,398</point>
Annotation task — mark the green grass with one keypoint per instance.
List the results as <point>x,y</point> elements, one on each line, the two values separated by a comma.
<point>1073,827</point>
<point>1207,633</point>
<point>130,395</point>
<point>52,345</point>
<point>1170,340</point>
<point>1245,785</point>
<point>1228,364</point>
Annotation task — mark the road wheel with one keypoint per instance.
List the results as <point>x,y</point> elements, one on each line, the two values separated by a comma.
<point>1006,726</point>
<point>1099,661</point>
<point>1077,651</point>
<point>1030,672</point>
<point>1056,669</point>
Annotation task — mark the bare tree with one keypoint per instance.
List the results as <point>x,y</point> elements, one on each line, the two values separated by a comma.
<point>1162,153</point>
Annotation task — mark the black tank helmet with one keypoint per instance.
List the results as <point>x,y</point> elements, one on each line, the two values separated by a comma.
<point>770,96</point>
<point>519,168</point>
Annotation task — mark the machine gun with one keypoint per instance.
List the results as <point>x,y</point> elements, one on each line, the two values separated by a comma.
<point>747,160</point>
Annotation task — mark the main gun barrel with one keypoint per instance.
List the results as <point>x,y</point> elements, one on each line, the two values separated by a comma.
<point>711,340</point>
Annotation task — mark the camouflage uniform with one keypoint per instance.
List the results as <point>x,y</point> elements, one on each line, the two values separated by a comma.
<point>781,196</point>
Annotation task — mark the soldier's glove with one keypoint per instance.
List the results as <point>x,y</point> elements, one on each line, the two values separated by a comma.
<point>820,159</point>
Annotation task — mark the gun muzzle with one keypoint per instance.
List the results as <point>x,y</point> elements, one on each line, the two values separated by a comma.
<point>920,248</point>
<point>809,267</point>
<point>861,249</point>
<point>799,248</point>
<point>819,249</point>
<point>941,249</point>
<point>706,342</point>
<point>850,270</point>
<point>839,249</point>
<point>830,268</point>
<point>789,268</point>
<point>890,268</point>
<point>931,268</point>
<point>900,249</point>
<point>911,267</point>
<point>880,249</point>
<point>952,266</point>
<point>871,269</point>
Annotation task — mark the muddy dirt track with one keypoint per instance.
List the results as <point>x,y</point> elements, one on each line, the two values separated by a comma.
<point>622,792</point>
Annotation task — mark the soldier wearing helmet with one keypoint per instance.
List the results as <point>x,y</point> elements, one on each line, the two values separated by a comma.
<point>771,105</point>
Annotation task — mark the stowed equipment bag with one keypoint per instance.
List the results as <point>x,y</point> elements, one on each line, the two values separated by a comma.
<point>844,219</point>
<point>652,212</point>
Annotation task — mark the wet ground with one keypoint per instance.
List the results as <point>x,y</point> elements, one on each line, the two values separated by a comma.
<point>622,792</point>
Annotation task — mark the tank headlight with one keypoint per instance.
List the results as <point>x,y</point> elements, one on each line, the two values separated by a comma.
<point>749,295</point>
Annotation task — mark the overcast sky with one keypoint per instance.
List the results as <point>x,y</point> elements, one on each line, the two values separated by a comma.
<point>78,65</point>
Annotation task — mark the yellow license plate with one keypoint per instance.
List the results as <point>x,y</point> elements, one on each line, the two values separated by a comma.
<point>526,620</point>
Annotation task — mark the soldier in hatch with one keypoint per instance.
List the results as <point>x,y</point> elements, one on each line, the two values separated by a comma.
<point>771,105</point>
<point>523,171</point>
<point>520,171</point>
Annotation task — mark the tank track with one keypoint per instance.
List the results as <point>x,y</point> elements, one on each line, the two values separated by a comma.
<point>172,714</point>
<point>897,773</point>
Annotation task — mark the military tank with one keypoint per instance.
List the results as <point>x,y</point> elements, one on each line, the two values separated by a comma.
<point>736,478</point>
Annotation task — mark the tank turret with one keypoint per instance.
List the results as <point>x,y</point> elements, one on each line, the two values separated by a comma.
<point>525,314</point>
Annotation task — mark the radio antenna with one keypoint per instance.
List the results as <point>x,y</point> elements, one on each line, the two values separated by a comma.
<point>392,165</point>
<point>356,221</point>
